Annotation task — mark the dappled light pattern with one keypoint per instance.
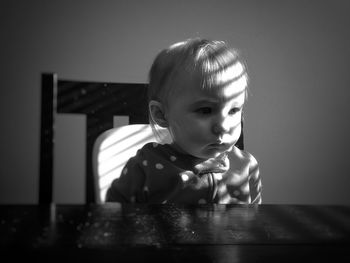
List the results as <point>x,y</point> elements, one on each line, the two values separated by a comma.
<point>114,148</point>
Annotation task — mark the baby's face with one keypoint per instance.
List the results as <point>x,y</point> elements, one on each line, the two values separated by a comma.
<point>206,123</point>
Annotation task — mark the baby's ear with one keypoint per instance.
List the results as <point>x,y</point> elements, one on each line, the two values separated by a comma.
<point>157,112</point>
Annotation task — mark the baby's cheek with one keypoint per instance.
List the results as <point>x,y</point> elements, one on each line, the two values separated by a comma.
<point>189,129</point>
<point>236,120</point>
<point>237,130</point>
<point>198,133</point>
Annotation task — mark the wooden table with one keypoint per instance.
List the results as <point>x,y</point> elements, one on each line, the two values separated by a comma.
<point>170,233</point>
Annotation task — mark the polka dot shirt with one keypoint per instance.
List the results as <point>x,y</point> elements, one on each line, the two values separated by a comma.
<point>160,174</point>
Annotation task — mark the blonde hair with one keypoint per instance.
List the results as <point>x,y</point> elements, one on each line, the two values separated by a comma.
<point>211,61</point>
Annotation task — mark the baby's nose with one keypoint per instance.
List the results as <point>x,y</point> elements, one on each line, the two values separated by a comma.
<point>221,127</point>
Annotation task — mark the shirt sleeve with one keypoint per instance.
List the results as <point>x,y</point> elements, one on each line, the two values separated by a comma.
<point>255,182</point>
<point>127,188</point>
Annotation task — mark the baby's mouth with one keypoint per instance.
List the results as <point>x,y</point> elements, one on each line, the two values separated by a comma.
<point>218,145</point>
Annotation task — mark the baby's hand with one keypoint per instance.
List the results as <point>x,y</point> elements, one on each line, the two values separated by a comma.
<point>219,164</point>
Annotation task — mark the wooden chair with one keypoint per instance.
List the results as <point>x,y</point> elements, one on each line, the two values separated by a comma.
<point>99,102</point>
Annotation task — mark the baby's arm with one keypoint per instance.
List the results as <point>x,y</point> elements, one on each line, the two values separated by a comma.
<point>125,188</point>
<point>254,181</point>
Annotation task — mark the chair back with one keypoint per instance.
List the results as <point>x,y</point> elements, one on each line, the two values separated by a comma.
<point>99,102</point>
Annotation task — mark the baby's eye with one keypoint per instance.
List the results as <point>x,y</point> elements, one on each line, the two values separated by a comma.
<point>204,110</point>
<point>234,110</point>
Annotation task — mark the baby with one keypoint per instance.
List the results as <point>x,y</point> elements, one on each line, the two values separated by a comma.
<point>197,89</point>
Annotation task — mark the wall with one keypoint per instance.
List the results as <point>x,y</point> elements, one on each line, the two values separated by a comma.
<point>297,53</point>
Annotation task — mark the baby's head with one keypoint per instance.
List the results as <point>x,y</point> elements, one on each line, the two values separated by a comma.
<point>197,89</point>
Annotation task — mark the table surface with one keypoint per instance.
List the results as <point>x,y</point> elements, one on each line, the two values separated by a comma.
<point>209,233</point>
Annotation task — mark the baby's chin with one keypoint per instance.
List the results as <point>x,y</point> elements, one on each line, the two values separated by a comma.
<point>214,154</point>
<point>205,153</point>
<point>217,153</point>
